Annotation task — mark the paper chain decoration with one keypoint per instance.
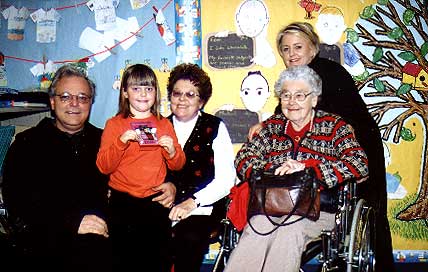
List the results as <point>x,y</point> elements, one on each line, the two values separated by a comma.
<point>85,59</point>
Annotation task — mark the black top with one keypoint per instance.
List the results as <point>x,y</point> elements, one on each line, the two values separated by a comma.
<point>50,182</point>
<point>341,96</point>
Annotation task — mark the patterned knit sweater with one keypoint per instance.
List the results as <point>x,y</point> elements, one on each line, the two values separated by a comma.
<point>329,147</point>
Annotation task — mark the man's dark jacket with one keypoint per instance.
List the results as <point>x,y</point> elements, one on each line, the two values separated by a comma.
<point>50,182</point>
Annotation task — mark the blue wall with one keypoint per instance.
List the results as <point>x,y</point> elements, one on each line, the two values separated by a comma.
<point>73,21</point>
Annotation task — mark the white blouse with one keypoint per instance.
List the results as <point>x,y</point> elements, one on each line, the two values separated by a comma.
<point>225,173</point>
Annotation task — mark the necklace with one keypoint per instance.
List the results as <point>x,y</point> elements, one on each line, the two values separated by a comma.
<point>297,135</point>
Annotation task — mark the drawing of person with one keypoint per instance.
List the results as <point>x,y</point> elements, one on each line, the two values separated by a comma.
<point>251,20</point>
<point>254,94</point>
<point>330,26</point>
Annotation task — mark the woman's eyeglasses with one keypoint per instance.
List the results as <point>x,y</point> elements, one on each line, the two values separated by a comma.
<point>286,96</point>
<point>67,98</point>
<point>189,95</point>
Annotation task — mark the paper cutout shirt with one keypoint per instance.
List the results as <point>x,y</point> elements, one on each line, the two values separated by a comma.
<point>105,14</point>
<point>46,24</point>
<point>15,22</point>
<point>44,73</point>
<point>123,32</point>
<point>96,42</point>
<point>137,4</point>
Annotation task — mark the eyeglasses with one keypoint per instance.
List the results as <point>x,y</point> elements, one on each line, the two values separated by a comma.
<point>189,95</point>
<point>139,89</point>
<point>286,96</point>
<point>67,98</point>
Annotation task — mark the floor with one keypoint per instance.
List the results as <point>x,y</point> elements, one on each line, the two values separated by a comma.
<point>399,267</point>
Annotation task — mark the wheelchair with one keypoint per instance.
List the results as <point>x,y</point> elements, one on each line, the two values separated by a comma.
<point>349,246</point>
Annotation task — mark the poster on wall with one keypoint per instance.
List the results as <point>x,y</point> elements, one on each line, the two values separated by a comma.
<point>188,32</point>
<point>228,52</point>
<point>384,46</point>
<point>394,82</point>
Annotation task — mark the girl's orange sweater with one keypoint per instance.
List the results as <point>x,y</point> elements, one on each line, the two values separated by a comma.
<point>136,169</point>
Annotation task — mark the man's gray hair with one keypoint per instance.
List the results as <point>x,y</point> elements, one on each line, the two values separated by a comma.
<point>303,73</point>
<point>70,71</point>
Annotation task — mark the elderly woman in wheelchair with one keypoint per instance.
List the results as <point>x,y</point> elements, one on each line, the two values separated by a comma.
<point>299,138</point>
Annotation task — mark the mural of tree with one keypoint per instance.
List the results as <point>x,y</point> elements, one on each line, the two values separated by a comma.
<point>396,75</point>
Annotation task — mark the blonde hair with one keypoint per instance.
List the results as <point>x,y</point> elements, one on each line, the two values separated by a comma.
<point>138,74</point>
<point>332,10</point>
<point>305,30</point>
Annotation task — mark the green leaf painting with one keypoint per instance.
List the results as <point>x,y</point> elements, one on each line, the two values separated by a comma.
<point>424,49</point>
<point>404,88</point>
<point>377,54</point>
<point>379,86</point>
<point>351,35</point>
<point>408,16</point>
<point>396,33</point>
<point>367,13</point>
<point>407,56</point>
<point>407,135</point>
<point>361,77</point>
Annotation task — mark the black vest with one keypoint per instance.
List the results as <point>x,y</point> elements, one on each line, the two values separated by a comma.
<point>199,168</point>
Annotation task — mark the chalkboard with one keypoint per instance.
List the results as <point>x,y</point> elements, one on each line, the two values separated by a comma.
<point>332,52</point>
<point>228,52</point>
<point>238,123</point>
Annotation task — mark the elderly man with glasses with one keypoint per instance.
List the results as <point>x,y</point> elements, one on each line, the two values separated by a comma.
<point>53,191</point>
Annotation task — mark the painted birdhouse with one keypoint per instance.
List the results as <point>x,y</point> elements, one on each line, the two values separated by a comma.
<point>415,75</point>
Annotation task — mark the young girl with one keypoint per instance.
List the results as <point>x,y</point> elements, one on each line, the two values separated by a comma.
<point>137,146</point>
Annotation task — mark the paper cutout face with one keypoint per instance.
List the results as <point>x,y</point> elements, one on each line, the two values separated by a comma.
<point>254,91</point>
<point>330,27</point>
<point>251,18</point>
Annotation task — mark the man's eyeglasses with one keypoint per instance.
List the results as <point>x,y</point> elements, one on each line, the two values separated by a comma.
<point>286,96</point>
<point>67,98</point>
<point>189,95</point>
<point>139,89</point>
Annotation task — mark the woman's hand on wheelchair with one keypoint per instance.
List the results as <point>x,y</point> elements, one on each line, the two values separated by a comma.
<point>289,167</point>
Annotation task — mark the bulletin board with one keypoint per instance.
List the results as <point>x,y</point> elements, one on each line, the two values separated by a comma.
<point>74,18</point>
<point>390,71</point>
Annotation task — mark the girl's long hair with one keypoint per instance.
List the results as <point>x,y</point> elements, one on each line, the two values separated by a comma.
<point>140,75</point>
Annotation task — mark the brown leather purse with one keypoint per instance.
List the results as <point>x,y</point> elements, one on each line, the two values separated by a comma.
<point>275,196</point>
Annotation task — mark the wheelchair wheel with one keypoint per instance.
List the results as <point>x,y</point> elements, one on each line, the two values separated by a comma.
<point>361,257</point>
<point>228,241</point>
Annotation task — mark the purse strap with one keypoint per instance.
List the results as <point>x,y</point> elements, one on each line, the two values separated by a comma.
<point>313,192</point>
